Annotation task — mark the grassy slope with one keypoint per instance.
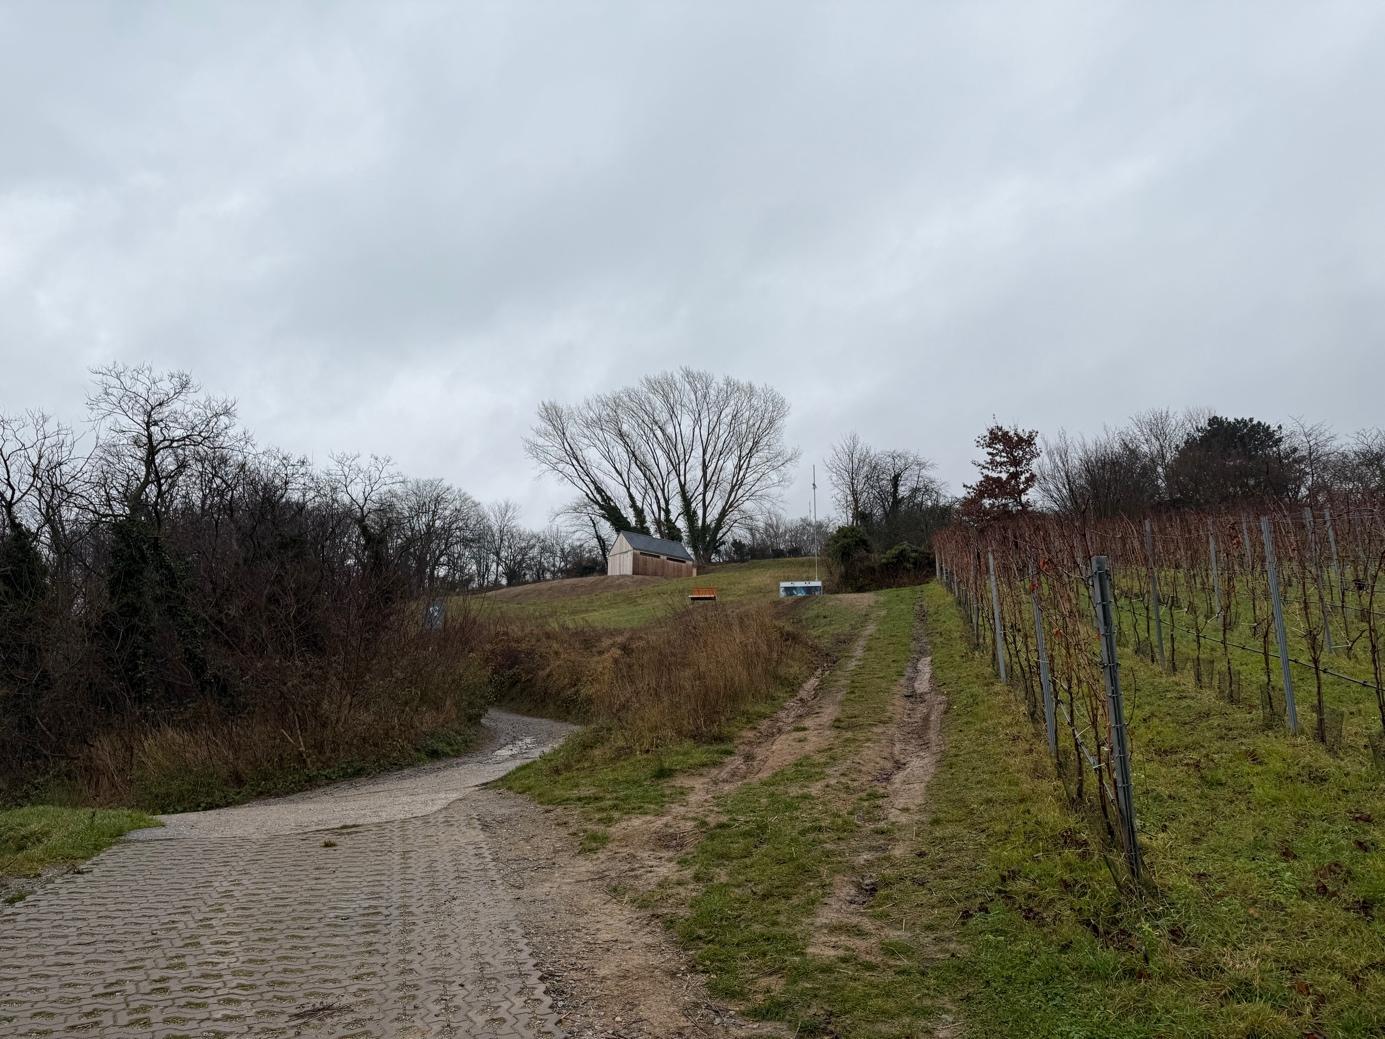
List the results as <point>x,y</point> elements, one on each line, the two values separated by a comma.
<point>39,837</point>
<point>1265,919</point>
<point>1270,887</point>
<point>630,605</point>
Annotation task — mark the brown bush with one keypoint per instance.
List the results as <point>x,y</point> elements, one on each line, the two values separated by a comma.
<point>683,676</point>
<point>401,694</point>
<point>405,695</point>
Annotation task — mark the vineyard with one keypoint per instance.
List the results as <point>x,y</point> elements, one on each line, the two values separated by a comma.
<point>1278,609</point>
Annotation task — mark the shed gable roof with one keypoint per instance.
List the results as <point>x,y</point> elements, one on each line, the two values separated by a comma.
<point>645,543</point>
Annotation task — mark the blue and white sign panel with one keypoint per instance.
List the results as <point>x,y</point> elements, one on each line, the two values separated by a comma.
<point>793,589</point>
<point>434,615</point>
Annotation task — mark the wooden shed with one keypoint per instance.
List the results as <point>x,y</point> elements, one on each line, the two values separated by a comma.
<point>635,553</point>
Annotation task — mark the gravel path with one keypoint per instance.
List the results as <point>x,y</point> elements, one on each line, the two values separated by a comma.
<point>373,908</point>
<point>508,741</point>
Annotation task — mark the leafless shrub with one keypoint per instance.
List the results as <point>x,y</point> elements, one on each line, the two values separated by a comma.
<point>684,676</point>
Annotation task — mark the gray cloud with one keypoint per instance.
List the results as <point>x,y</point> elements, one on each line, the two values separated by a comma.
<point>398,227</point>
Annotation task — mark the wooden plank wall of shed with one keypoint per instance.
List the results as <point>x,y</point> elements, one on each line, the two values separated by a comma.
<point>658,566</point>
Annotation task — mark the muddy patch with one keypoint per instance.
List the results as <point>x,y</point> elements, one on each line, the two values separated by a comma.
<point>611,968</point>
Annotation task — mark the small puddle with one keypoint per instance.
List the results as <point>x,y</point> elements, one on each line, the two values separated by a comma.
<point>523,745</point>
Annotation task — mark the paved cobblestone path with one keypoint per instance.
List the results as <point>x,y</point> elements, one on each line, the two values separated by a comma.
<point>400,927</point>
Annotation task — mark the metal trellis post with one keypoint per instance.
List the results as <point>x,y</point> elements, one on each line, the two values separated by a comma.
<point>1154,591</point>
<point>1272,569</point>
<point>1045,679</point>
<point>1115,709</point>
<point>1216,575</point>
<point>995,612</point>
<point>1315,558</point>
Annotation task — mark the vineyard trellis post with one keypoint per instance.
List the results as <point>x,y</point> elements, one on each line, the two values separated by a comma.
<point>1337,577</point>
<point>1250,565</point>
<point>1154,590</point>
<point>1216,575</point>
<point>995,613</point>
<point>1315,560</point>
<point>1045,679</point>
<point>1115,707</point>
<point>1277,606</point>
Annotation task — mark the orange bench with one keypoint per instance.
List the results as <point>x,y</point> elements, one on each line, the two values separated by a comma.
<point>702,595</point>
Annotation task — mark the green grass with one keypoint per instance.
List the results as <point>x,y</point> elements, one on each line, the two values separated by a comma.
<point>1265,918</point>
<point>629,607</point>
<point>40,837</point>
<point>1361,713</point>
<point>596,773</point>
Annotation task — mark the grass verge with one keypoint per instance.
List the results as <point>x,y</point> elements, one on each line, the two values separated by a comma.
<point>37,838</point>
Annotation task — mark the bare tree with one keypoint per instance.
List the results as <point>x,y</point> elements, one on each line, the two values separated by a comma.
<point>849,469</point>
<point>1059,474</point>
<point>682,455</point>
<point>1316,447</point>
<point>366,487</point>
<point>1108,475</point>
<point>898,479</point>
<point>151,424</point>
<point>511,546</point>
<point>890,493</point>
<point>1160,435</point>
<point>36,456</point>
<point>434,524</point>
<point>1361,464</point>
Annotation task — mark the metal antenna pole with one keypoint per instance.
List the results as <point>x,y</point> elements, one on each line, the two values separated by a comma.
<point>816,577</point>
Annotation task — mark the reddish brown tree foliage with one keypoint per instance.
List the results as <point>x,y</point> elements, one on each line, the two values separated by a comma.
<point>1007,473</point>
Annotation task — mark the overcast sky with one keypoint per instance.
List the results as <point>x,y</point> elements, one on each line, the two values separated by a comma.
<point>396,227</point>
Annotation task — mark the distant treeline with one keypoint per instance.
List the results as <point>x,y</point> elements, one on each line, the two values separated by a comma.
<point>1198,459</point>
